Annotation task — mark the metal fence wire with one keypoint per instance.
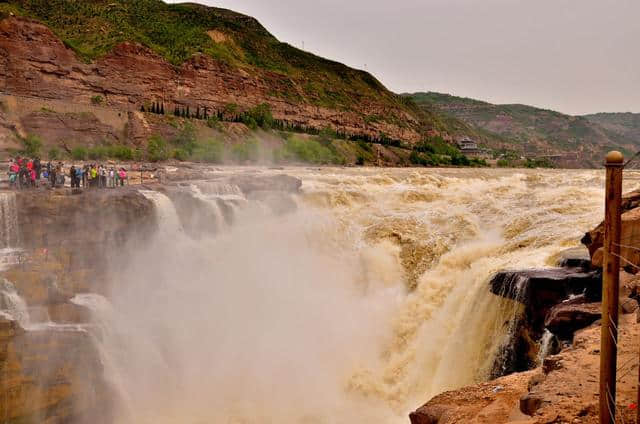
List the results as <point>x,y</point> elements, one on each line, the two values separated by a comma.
<point>614,340</point>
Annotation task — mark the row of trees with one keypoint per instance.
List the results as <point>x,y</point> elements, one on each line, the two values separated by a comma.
<point>261,117</point>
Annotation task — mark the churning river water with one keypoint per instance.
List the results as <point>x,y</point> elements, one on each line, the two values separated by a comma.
<point>358,306</point>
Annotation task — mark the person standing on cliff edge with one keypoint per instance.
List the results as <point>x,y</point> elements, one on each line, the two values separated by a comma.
<point>72,176</point>
<point>38,168</point>
<point>52,175</point>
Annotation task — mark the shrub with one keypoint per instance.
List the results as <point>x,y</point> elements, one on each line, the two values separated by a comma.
<point>262,115</point>
<point>213,122</point>
<point>479,162</point>
<point>157,149</point>
<point>539,163</point>
<point>307,150</point>
<point>424,159</point>
<point>54,153</point>
<point>180,154</point>
<point>230,108</point>
<point>249,122</point>
<point>98,152</point>
<point>326,135</point>
<point>364,145</point>
<point>120,152</point>
<point>79,153</point>
<point>460,160</point>
<point>209,151</point>
<point>503,163</point>
<point>32,145</point>
<point>360,160</point>
<point>97,100</point>
<point>186,138</point>
<point>249,150</point>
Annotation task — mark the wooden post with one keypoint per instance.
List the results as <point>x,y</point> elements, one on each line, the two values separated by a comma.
<point>610,287</point>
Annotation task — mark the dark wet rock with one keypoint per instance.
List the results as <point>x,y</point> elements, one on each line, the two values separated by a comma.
<point>565,319</point>
<point>577,257</point>
<point>520,354</point>
<point>550,286</point>
<point>541,289</point>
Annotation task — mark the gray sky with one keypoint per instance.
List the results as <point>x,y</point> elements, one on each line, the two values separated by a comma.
<point>574,56</point>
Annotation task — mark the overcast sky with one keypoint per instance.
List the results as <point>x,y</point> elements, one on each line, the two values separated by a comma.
<point>575,56</point>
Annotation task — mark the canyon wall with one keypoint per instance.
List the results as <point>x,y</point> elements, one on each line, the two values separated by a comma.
<point>35,63</point>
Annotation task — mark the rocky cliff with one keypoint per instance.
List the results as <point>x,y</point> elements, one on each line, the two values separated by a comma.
<point>36,63</point>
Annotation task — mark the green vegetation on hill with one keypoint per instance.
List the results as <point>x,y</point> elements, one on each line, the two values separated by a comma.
<point>623,125</point>
<point>532,131</point>
<point>177,31</point>
<point>429,104</point>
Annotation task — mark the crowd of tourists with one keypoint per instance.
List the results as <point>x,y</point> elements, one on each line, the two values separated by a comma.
<point>24,173</point>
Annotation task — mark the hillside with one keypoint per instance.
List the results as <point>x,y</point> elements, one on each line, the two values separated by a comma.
<point>457,127</point>
<point>103,62</point>
<point>178,31</point>
<point>532,131</point>
<point>622,125</point>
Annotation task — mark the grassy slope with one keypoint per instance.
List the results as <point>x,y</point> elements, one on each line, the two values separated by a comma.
<point>526,125</point>
<point>177,31</point>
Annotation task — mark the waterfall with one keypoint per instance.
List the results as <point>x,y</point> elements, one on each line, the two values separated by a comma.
<point>12,304</point>
<point>168,218</point>
<point>225,199</point>
<point>220,189</point>
<point>9,229</point>
<point>10,254</point>
<point>545,346</point>
<point>233,328</point>
<point>97,304</point>
<point>118,341</point>
<point>221,221</point>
